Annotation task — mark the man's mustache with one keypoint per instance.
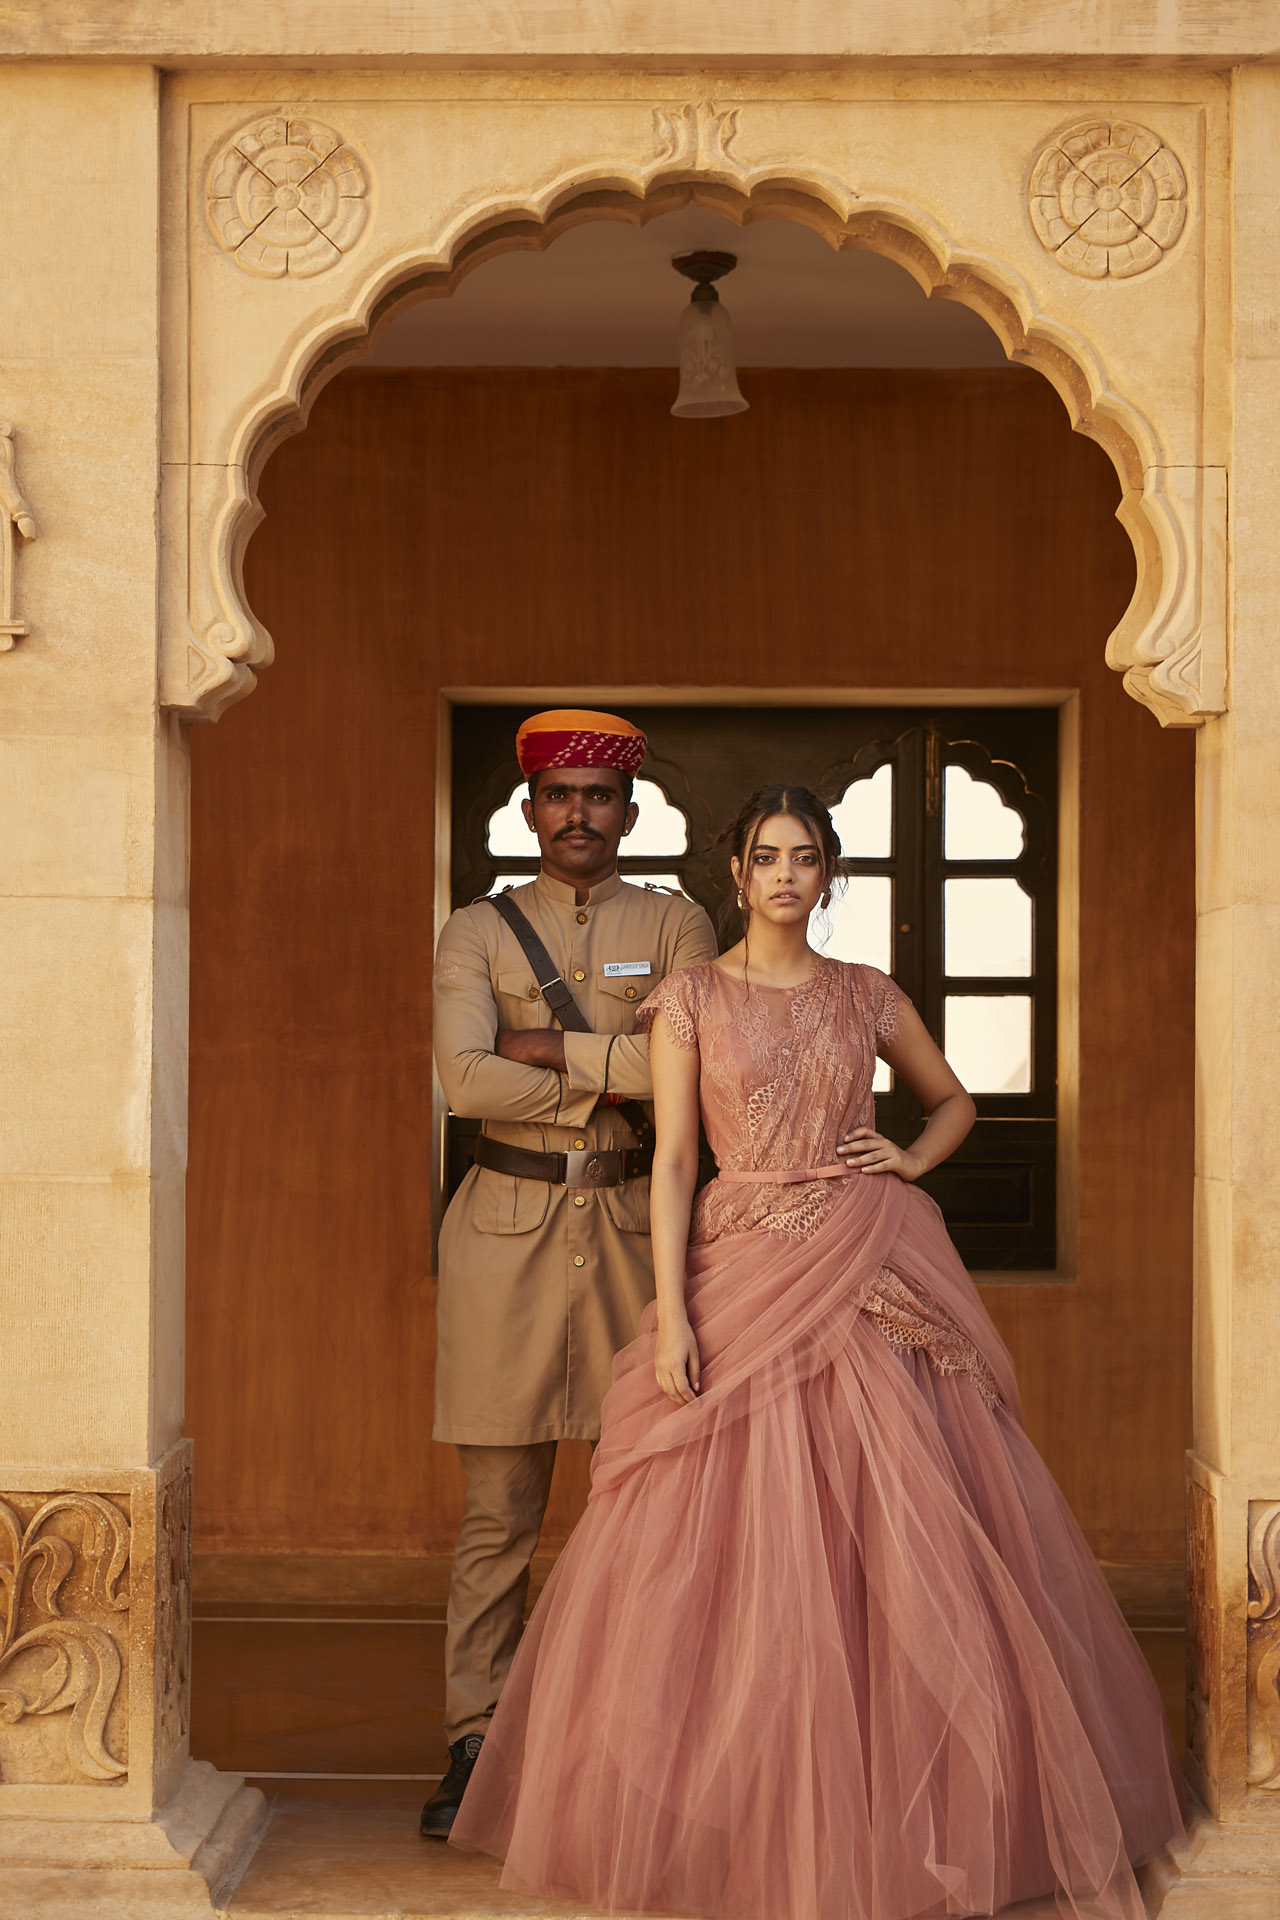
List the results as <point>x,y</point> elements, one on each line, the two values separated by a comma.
<point>590,832</point>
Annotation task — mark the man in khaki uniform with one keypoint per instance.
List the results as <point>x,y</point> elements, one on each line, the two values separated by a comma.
<point>545,1264</point>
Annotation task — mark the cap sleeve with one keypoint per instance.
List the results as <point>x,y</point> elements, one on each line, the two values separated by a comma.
<point>887,1001</point>
<point>677,996</point>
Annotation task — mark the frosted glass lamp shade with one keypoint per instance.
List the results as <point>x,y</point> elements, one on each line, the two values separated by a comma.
<point>708,376</point>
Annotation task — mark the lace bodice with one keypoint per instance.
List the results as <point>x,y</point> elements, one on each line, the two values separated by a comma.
<point>785,1073</point>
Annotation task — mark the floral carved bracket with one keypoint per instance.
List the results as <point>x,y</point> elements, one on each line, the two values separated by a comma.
<point>1263,1613</point>
<point>83,1673</point>
<point>17,522</point>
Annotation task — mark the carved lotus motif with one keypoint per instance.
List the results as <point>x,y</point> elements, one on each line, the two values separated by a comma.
<point>286,196</point>
<point>1108,199</point>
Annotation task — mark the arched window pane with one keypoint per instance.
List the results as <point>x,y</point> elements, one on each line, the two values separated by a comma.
<point>864,817</point>
<point>660,831</point>
<point>978,823</point>
<point>858,923</point>
<point>508,834</point>
<point>986,927</point>
<point>987,1040</point>
<point>671,880</point>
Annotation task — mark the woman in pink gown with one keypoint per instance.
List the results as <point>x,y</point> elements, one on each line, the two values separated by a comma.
<point>827,1643</point>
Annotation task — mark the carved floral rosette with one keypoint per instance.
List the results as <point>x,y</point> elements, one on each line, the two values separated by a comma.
<point>287,196</point>
<point>64,1632</point>
<point>1108,199</point>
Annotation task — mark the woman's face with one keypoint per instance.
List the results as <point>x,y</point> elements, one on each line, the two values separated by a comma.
<point>785,879</point>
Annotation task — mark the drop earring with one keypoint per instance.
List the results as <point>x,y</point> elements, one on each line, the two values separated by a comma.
<point>741,901</point>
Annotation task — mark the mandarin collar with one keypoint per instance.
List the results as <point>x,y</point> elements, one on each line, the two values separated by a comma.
<point>566,896</point>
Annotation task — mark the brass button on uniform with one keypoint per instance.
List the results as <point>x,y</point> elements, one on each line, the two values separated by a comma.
<point>579,1199</point>
<point>578,1260</point>
<point>582,919</point>
<point>630,993</point>
<point>578,974</point>
<point>533,993</point>
<point>579,1144</point>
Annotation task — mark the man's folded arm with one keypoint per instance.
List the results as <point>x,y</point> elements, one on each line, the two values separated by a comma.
<point>477,1084</point>
<point>599,1063</point>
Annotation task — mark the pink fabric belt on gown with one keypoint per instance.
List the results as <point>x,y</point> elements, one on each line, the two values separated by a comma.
<point>790,1176</point>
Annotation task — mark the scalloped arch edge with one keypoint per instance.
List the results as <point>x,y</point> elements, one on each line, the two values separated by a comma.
<point>1169,646</point>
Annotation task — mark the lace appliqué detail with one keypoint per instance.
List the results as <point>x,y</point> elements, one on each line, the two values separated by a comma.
<point>887,1000</point>
<point>677,997</point>
<point>797,1209</point>
<point>907,1319</point>
<point>785,1074</point>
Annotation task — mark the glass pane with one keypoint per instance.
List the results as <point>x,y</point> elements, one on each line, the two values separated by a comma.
<point>671,880</point>
<point>987,927</point>
<point>858,925</point>
<point>977,822</point>
<point>988,1041</point>
<point>864,817</point>
<point>660,830</point>
<point>508,833</point>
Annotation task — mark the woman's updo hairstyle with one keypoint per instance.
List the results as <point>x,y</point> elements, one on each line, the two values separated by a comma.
<point>803,804</point>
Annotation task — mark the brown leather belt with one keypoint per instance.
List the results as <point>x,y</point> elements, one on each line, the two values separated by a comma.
<point>580,1167</point>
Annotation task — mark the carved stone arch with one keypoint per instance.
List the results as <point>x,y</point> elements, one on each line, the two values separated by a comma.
<point>1170,644</point>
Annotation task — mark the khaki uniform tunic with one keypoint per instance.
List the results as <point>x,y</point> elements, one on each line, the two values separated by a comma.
<point>537,1291</point>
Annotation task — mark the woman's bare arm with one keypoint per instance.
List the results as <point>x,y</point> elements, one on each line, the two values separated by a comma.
<point>951,1112</point>
<point>675,1176</point>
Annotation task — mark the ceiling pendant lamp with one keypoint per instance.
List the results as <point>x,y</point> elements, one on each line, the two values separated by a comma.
<point>708,376</point>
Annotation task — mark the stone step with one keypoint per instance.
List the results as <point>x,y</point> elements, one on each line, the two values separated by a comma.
<point>367,1862</point>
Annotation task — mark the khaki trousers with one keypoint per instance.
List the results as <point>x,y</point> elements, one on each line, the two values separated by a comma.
<point>507,1490</point>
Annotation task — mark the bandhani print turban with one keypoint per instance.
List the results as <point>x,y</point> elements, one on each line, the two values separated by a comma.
<point>576,737</point>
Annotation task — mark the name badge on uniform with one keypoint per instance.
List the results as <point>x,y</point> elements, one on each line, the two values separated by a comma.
<point>624,969</point>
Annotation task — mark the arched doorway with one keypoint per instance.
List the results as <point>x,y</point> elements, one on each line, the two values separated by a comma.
<point>610,516</point>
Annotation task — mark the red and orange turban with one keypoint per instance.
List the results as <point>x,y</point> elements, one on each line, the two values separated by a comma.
<point>575,737</point>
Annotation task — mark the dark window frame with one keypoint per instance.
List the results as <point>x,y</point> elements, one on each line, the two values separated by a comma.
<point>1000,1190</point>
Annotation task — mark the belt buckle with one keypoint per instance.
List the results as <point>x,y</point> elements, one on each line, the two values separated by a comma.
<point>587,1167</point>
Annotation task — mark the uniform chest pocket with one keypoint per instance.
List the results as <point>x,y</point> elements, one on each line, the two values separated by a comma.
<point>628,989</point>
<point>519,1002</point>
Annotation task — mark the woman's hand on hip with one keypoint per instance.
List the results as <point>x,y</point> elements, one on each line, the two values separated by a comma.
<point>676,1362</point>
<point>867,1151</point>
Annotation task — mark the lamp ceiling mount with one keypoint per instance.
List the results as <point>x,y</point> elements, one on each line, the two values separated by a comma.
<point>704,268</point>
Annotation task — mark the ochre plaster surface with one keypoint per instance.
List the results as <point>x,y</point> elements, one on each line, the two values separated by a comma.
<point>116,295</point>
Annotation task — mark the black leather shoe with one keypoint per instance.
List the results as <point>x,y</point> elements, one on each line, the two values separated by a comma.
<point>438,1814</point>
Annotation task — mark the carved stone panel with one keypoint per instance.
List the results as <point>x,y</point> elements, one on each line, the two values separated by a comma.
<point>173,1617</point>
<point>1264,1645</point>
<point>64,1637</point>
<point>287,196</point>
<point>1108,199</point>
<point>17,522</point>
<point>1202,1630</point>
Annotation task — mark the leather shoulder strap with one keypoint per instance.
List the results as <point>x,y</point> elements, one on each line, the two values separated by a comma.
<point>550,985</point>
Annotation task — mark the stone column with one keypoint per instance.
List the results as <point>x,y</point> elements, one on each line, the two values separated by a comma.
<point>1231,1865</point>
<point>101,1807</point>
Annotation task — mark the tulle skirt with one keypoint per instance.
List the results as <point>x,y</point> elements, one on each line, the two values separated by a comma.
<point>827,1643</point>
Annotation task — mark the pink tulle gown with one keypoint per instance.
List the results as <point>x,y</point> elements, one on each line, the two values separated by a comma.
<point>827,1643</point>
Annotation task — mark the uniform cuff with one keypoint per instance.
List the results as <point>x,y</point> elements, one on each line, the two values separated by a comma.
<point>586,1058</point>
<point>576,1105</point>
